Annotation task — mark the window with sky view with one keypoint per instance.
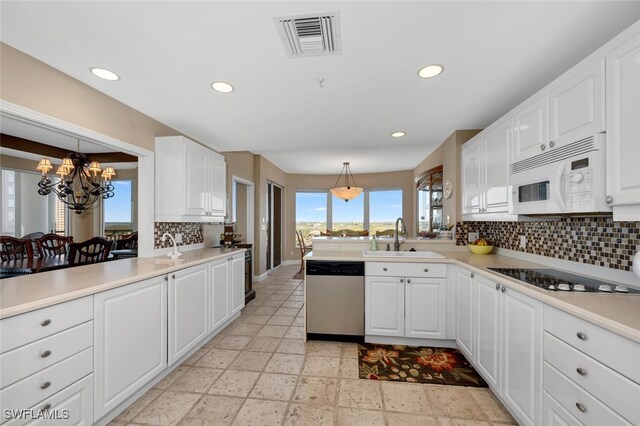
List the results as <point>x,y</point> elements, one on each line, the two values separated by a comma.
<point>118,214</point>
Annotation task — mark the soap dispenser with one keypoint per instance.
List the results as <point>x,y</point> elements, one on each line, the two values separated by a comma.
<point>374,244</point>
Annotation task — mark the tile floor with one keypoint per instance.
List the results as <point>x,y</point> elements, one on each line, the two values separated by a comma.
<point>259,371</point>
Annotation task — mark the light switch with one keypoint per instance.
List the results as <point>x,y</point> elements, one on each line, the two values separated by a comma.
<point>178,238</point>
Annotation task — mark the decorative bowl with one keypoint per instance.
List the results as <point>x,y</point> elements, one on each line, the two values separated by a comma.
<point>475,249</point>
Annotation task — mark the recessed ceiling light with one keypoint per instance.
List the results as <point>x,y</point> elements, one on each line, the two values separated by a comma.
<point>430,71</point>
<point>398,134</point>
<point>221,86</point>
<point>104,74</point>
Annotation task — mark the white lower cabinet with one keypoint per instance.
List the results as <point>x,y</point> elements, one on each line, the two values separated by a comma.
<point>488,330</point>
<point>554,414</point>
<point>219,293</point>
<point>130,347</point>
<point>464,308</point>
<point>187,311</point>
<point>237,282</point>
<point>406,306</point>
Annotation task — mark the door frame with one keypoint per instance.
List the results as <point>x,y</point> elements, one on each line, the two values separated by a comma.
<point>146,176</point>
<point>269,197</point>
<point>251,188</point>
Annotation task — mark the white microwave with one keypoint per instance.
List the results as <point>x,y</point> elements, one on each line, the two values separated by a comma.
<point>569,179</point>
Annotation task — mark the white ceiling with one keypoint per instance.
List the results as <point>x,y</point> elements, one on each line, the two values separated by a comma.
<point>167,53</point>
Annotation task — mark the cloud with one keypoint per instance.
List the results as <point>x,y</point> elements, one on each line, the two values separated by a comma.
<point>320,209</point>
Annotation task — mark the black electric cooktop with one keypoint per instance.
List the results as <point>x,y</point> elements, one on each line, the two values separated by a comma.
<point>554,280</point>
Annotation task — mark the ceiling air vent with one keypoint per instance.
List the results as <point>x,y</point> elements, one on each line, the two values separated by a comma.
<point>310,35</point>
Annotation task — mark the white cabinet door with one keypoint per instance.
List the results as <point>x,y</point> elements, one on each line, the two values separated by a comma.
<point>576,107</point>
<point>465,322</point>
<point>530,130</point>
<point>195,172</point>
<point>495,169</point>
<point>187,310</point>
<point>555,414</point>
<point>488,331</point>
<point>217,187</point>
<point>623,123</point>
<point>426,308</point>
<point>384,306</point>
<point>219,293</point>
<point>471,160</point>
<point>130,346</point>
<point>522,356</point>
<point>76,400</point>
<point>237,283</point>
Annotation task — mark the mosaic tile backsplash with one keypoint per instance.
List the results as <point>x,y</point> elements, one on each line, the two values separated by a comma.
<point>192,233</point>
<point>596,241</point>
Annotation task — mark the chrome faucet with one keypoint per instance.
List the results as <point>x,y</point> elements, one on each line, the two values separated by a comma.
<point>396,244</point>
<point>175,253</point>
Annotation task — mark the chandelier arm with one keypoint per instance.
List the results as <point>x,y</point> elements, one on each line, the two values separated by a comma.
<point>352,178</point>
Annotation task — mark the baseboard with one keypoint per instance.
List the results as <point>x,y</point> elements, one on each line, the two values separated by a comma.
<point>410,341</point>
<point>262,277</point>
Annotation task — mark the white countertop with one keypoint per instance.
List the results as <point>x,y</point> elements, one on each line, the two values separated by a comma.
<point>619,313</point>
<point>29,292</point>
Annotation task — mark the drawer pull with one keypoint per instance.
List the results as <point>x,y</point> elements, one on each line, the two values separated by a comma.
<point>503,289</point>
<point>384,269</point>
<point>45,354</point>
<point>45,385</point>
<point>581,371</point>
<point>581,407</point>
<point>45,322</point>
<point>401,280</point>
<point>497,286</point>
<point>581,335</point>
<point>426,269</point>
<point>473,275</point>
<point>45,407</point>
<point>408,281</point>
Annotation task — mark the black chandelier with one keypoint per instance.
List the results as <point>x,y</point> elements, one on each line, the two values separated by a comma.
<point>79,185</point>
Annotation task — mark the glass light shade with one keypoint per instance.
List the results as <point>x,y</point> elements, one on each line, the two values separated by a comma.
<point>62,172</point>
<point>108,173</point>
<point>346,193</point>
<point>430,71</point>
<point>44,166</point>
<point>95,168</point>
<point>67,164</point>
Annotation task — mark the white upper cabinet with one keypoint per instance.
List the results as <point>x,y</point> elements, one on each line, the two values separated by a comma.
<point>576,107</point>
<point>623,125</point>
<point>190,181</point>
<point>471,159</point>
<point>530,130</point>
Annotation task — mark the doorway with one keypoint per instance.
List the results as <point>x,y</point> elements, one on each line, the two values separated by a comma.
<point>274,225</point>
<point>242,195</point>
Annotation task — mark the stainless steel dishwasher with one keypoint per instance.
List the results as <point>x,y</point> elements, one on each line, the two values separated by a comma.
<point>335,300</point>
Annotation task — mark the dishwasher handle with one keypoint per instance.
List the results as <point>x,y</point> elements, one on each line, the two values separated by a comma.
<point>333,268</point>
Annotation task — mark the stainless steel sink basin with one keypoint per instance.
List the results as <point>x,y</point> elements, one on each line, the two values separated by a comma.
<point>410,254</point>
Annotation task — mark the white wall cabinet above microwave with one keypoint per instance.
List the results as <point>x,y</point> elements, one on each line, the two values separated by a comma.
<point>189,181</point>
<point>623,129</point>
<point>485,162</point>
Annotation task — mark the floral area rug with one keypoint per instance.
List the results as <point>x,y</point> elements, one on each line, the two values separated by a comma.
<point>439,366</point>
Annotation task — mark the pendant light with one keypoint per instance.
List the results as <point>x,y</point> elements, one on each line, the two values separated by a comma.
<point>349,191</point>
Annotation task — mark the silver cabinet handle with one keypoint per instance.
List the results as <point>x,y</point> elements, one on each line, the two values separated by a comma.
<point>426,269</point>
<point>408,281</point>
<point>552,144</point>
<point>45,385</point>
<point>472,275</point>
<point>581,335</point>
<point>497,286</point>
<point>608,199</point>
<point>401,280</point>
<point>384,269</point>
<point>173,276</point>
<point>581,407</point>
<point>503,289</point>
<point>581,371</point>
<point>542,147</point>
<point>45,354</point>
<point>45,322</point>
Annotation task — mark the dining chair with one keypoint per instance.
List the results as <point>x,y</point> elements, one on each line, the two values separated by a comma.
<point>12,248</point>
<point>33,237</point>
<point>129,241</point>
<point>94,250</point>
<point>389,233</point>
<point>53,245</point>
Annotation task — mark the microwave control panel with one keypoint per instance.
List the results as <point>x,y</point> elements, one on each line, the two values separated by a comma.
<point>580,188</point>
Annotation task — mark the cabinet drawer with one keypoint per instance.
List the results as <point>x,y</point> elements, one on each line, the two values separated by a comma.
<point>30,391</point>
<point>74,402</point>
<point>595,342</point>
<point>392,269</point>
<point>26,328</point>
<point>19,363</point>
<point>570,396</point>
<point>594,377</point>
<point>554,414</point>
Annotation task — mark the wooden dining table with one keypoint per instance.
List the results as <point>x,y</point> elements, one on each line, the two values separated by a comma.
<point>11,268</point>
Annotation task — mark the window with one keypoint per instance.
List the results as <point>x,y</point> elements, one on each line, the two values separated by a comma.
<point>385,206</point>
<point>311,214</point>
<point>118,211</point>
<point>430,200</point>
<point>348,215</point>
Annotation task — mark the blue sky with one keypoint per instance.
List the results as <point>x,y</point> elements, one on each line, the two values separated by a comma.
<point>385,206</point>
<point>118,208</point>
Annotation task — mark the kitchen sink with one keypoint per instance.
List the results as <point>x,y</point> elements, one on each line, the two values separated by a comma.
<point>411,254</point>
<point>167,261</point>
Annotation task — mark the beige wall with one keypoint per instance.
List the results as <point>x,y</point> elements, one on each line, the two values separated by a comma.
<point>448,154</point>
<point>297,182</point>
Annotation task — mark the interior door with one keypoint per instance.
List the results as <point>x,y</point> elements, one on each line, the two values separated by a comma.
<point>277,226</point>
<point>269,219</point>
